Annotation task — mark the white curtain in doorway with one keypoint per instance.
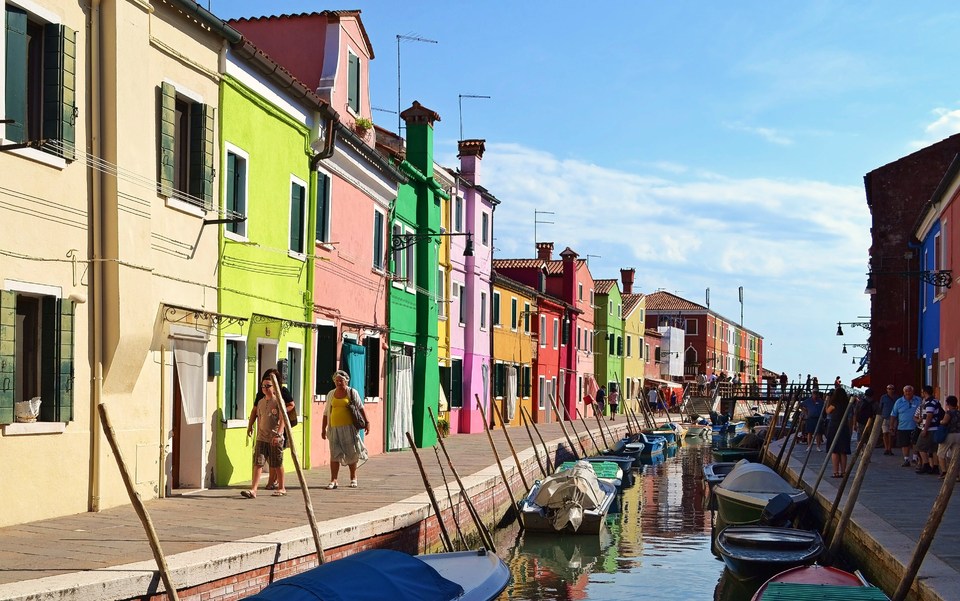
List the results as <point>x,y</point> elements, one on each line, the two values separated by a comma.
<point>511,397</point>
<point>189,357</point>
<point>402,386</point>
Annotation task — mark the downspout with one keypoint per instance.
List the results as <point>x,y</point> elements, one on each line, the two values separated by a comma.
<point>331,118</point>
<point>96,308</point>
<point>916,359</point>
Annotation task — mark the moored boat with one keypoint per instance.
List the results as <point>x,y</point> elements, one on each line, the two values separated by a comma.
<point>609,471</point>
<point>735,454</point>
<point>817,582</point>
<point>713,474</point>
<point>745,492</point>
<point>385,575</point>
<point>573,500</point>
<point>758,552</point>
<point>624,462</point>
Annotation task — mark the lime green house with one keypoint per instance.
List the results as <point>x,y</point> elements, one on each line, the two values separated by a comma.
<point>274,131</point>
<point>608,317</point>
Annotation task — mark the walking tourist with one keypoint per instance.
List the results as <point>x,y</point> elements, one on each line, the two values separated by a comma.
<point>951,422</point>
<point>901,420</point>
<point>812,428</point>
<point>838,430</point>
<point>601,401</point>
<point>930,414</point>
<point>346,447</point>
<point>614,400</point>
<point>270,440</point>
<point>866,410</point>
<point>886,406</point>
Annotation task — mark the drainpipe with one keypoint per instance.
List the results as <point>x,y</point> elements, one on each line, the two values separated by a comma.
<point>331,118</point>
<point>96,233</point>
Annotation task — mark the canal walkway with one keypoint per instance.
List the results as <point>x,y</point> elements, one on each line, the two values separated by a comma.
<point>210,535</point>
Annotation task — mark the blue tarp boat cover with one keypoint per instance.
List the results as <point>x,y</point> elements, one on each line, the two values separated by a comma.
<point>374,575</point>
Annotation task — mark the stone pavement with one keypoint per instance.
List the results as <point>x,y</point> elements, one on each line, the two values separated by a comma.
<point>892,509</point>
<point>210,533</point>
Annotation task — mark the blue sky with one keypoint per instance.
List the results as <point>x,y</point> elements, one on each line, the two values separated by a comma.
<point>706,144</point>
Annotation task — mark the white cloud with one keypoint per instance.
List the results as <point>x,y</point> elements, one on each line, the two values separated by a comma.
<point>767,133</point>
<point>946,123</point>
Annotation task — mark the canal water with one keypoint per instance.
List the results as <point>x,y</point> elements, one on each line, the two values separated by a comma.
<point>657,546</point>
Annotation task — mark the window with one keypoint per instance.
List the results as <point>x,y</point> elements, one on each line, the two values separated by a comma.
<point>298,196</point>
<point>527,382</point>
<point>591,298</point>
<point>441,293</point>
<point>326,364</point>
<point>565,332</point>
<point>399,269</point>
<point>646,352</point>
<point>36,349</point>
<point>463,303</point>
<point>234,378</point>
<point>514,314</point>
<point>40,82</point>
<point>611,308</point>
<point>619,346</point>
<point>411,266</point>
<point>235,201</point>
<point>495,313</point>
<point>640,347</point>
<point>455,394</point>
<point>612,341</point>
<point>499,380</point>
<point>458,214</point>
<point>543,330</point>
<point>485,229</point>
<point>629,345</point>
<point>542,393</point>
<point>526,318</point>
<point>322,229</point>
<point>353,82</point>
<point>579,291</point>
<point>186,148</point>
<point>294,376</point>
<point>578,337</point>
<point>483,310</point>
<point>379,243</point>
<point>691,327</point>
<point>371,345</point>
<point>556,332</point>
<point>938,261</point>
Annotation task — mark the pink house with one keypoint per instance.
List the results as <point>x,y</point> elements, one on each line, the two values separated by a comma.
<point>331,52</point>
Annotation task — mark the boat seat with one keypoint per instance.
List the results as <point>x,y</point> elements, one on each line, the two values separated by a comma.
<point>791,591</point>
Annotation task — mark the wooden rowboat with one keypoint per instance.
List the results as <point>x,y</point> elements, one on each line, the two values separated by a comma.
<point>818,582</point>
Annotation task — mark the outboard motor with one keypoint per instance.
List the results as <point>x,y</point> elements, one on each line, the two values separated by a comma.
<point>779,511</point>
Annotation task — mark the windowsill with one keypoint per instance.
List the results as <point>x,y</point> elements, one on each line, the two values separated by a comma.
<point>373,400</point>
<point>17,429</point>
<point>242,238</point>
<point>38,156</point>
<point>184,207</point>
<point>297,255</point>
<point>442,317</point>
<point>325,246</point>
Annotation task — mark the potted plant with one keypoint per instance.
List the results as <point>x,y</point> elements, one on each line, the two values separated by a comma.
<point>444,426</point>
<point>362,125</point>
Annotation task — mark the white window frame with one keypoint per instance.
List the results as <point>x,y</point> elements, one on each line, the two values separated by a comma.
<point>483,310</point>
<point>441,293</point>
<point>543,331</point>
<point>244,234</point>
<point>496,319</point>
<point>384,239</point>
<point>458,214</point>
<point>411,263</point>
<point>526,318</point>
<point>298,376</point>
<point>542,393</point>
<point>300,256</point>
<point>514,314</point>
<point>556,333</point>
<point>241,375</point>
<point>485,228</point>
<point>629,345</point>
<point>328,213</point>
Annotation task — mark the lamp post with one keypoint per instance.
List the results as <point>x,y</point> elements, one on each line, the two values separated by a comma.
<point>402,241</point>
<point>854,345</point>
<point>942,278</point>
<point>856,324</point>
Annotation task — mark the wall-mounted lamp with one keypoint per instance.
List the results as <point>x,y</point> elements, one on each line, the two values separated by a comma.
<point>863,346</point>
<point>856,324</point>
<point>941,279</point>
<point>402,241</point>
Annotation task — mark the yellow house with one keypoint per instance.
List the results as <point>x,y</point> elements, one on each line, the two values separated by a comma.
<point>448,181</point>
<point>513,311</point>
<point>634,314</point>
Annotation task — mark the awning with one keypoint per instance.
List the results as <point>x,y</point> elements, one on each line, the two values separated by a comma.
<point>861,381</point>
<point>666,383</point>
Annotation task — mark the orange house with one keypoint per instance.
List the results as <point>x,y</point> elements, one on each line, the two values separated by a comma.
<point>514,347</point>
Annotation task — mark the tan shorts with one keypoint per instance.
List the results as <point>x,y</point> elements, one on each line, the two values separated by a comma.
<point>346,447</point>
<point>885,426</point>
<point>266,453</point>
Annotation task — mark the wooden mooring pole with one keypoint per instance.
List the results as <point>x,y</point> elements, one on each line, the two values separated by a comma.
<point>563,428</point>
<point>589,433</point>
<point>536,451</point>
<point>875,432</point>
<point>444,537</point>
<point>496,455</point>
<point>546,451</point>
<point>506,435</point>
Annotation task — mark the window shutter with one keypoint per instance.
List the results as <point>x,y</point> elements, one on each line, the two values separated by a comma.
<point>168,129</point>
<point>65,379</point>
<point>231,182</point>
<point>619,346</point>
<point>372,379</point>
<point>201,153</point>
<point>296,218</point>
<point>8,352</point>
<point>16,80</point>
<point>323,209</point>
<point>456,384</point>
<point>60,87</point>
<point>353,85</point>
<point>49,364</point>
<point>230,381</point>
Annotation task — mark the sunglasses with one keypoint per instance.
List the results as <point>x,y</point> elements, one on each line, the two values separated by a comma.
<point>266,385</point>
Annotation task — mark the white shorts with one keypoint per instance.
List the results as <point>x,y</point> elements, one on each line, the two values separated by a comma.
<point>885,426</point>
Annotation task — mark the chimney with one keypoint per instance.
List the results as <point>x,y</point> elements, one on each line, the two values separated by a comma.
<point>470,153</point>
<point>626,275</point>
<point>420,120</point>
<point>545,251</point>
<point>569,275</point>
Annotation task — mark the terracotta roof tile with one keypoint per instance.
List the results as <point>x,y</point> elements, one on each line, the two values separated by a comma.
<point>664,301</point>
<point>604,286</point>
<point>518,263</point>
<point>631,302</point>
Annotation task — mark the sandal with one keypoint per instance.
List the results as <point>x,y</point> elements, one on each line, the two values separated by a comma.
<point>331,486</point>
<point>353,483</point>
<point>248,494</point>
<point>836,475</point>
<point>270,486</point>
<point>279,493</point>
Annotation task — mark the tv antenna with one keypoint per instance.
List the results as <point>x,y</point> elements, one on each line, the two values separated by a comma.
<point>409,38</point>
<point>536,220</point>
<point>460,98</point>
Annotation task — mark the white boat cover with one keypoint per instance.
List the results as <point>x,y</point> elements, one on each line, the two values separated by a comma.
<point>569,493</point>
<point>747,477</point>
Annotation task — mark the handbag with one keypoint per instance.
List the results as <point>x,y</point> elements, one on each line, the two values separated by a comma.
<point>356,413</point>
<point>940,435</point>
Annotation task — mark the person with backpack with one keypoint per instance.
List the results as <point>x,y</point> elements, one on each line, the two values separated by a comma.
<point>930,415</point>
<point>951,443</point>
<point>866,410</point>
<point>271,433</point>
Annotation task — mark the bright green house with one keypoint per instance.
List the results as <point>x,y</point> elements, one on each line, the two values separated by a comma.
<point>413,380</point>
<point>269,134</point>
<point>608,317</point>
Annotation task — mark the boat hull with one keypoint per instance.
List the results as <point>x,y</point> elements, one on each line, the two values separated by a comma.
<point>733,454</point>
<point>539,519</point>
<point>758,552</point>
<point>814,582</point>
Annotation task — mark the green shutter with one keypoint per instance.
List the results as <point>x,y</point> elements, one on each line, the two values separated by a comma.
<point>456,384</point>
<point>201,153</point>
<point>65,380</point>
<point>230,380</point>
<point>59,86</point>
<point>296,217</point>
<point>230,201</point>
<point>49,365</point>
<point>168,138</point>
<point>16,76</point>
<point>353,85</point>
<point>8,353</point>
<point>323,197</point>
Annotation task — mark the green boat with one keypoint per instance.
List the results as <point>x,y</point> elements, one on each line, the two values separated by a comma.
<point>747,489</point>
<point>735,454</point>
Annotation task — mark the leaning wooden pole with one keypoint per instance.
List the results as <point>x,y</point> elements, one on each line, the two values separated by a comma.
<point>453,511</point>
<point>770,427</point>
<point>593,440</point>
<point>311,518</point>
<point>513,451</point>
<point>833,445</point>
<point>794,423</point>
<point>576,434</point>
<point>503,472</point>
<point>482,530</point>
<point>603,423</point>
<point>603,435</point>
<point>444,537</point>
<point>536,451</point>
<point>810,445</point>
<point>563,428</point>
<point>636,420</point>
<point>930,528</point>
<point>857,455</point>
<point>875,431</point>
<point>546,451</point>
<point>138,505</point>
<point>793,444</point>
